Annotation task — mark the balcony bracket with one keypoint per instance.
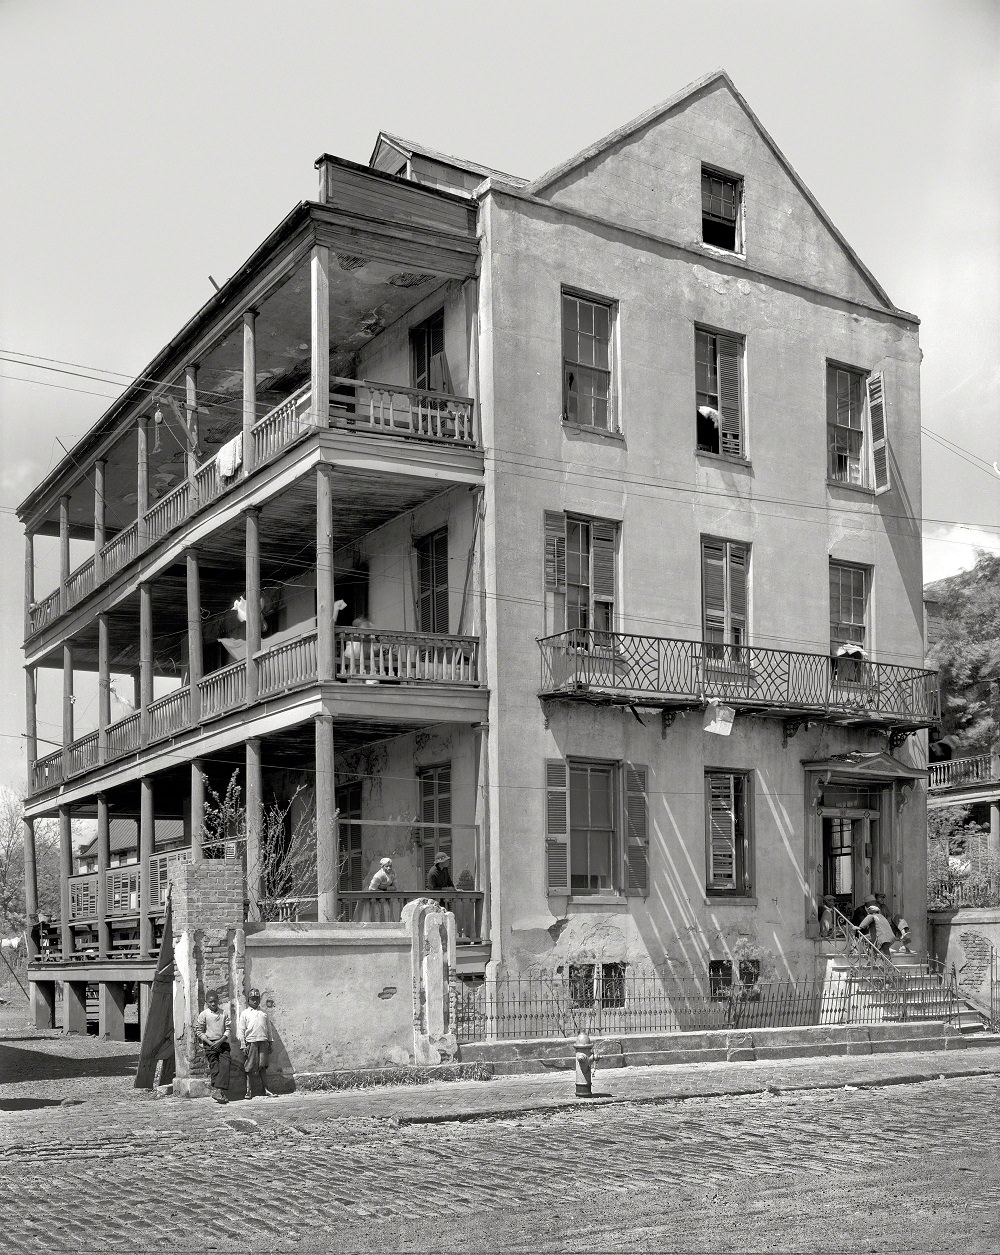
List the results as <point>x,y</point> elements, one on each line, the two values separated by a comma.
<point>897,737</point>
<point>789,728</point>
<point>667,718</point>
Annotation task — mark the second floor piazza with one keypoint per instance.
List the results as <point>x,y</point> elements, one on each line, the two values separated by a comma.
<point>348,337</point>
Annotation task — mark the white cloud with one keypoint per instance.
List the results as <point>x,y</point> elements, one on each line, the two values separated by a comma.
<point>948,550</point>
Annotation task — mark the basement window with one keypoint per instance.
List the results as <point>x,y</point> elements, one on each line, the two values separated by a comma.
<point>721,203</point>
<point>601,984</point>
<point>720,976</point>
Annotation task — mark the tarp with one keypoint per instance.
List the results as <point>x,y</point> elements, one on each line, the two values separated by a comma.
<point>158,1031</point>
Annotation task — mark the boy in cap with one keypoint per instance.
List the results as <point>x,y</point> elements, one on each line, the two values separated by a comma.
<point>254,1031</point>
<point>877,927</point>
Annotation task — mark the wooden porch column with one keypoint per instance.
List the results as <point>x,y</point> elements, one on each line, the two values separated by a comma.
<point>319,271</point>
<point>252,595</point>
<point>67,712</point>
<point>325,639</point>
<point>63,552</point>
<point>30,885</point>
<point>31,721</point>
<point>249,387</point>
<point>136,674</point>
<point>191,418</point>
<point>470,291</point>
<point>147,837</point>
<point>254,802</point>
<point>103,863</point>
<point>103,685</point>
<point>197,809</point>
<point>29,577</point>
<point>65,871</point>
<point>100,524</point>
<point>145,659</point>
<point>142,479</point>
<point>194,638</point>
<point>327,840</point>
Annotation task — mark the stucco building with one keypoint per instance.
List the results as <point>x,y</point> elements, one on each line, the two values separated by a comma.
<point>617,476</point>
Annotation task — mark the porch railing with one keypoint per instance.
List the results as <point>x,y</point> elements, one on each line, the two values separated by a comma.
<point>223,690</point>
<point>976,769</point>
<point>47,771</point>
<point>169,512</point>
<point>120,550</point>
<point>955,890</point>
<point>123,887</point>
<point>593,663</point>
<point>373,655</point>
<point>123,736</point>
<point>169,714</point>
<point>83,754</point>
<point>42,613</point>
<point>287,665</point>
<point>80,583</point>
<point>159,868</point>
<point>400,411</point>
<point>83,892</point>
<point>281,426</point>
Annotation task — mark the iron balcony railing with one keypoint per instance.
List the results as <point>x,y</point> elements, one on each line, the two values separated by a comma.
<point>358,405</point>
<point>976,769</point>
<point>591,664</point>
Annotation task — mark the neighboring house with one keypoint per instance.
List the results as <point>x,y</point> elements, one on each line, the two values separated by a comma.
<point>621,469</point>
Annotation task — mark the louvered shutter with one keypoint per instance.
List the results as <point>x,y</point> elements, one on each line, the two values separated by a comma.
<point>602,539</point>
<point>737,594</point>
<point>875,385</point>
<point>556,827</point>
<point>730,412</point>
<point>435,808</point>
<point>636,831</point>
<point>555,551</point>
<point>713,589</point>
<point>441,615</point>
<point>721,803</point>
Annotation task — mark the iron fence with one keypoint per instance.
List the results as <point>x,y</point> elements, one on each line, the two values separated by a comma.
<point>608,999</point>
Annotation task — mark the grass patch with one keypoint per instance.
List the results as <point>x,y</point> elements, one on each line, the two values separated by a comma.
<point>373,1078</point>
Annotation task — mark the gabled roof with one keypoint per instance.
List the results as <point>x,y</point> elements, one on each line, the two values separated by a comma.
<point>877,765</point>
<point>408,148</point>
<point>539,186</point>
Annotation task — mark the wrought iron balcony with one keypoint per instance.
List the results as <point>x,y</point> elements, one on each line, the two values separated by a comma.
<point>623,669</point>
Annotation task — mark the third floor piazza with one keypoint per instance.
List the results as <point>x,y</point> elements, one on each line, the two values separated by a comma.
<point>348,337</point>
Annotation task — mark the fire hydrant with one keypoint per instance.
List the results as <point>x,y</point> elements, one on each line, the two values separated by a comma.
<point>584,1049</point>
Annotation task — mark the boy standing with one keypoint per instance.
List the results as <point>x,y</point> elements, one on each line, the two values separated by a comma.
<point>254,1031</point>
<point>212,1030</point>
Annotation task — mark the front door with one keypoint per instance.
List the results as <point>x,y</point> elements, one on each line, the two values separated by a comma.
<point>851,859</point>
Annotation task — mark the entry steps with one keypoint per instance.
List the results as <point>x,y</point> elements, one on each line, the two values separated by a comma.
<point>913,994</point>
<point>718,1046</point>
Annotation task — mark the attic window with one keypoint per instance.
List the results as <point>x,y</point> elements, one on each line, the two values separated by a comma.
<point>721,198</point>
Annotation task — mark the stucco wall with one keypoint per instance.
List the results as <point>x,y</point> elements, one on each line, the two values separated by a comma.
<point>964,939</point>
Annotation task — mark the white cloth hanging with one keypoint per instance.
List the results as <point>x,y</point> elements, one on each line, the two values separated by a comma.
<point>230,457</point>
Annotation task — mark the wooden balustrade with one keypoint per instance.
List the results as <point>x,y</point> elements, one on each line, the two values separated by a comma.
<point>123,887</point>
<point>42,613</point>
<point>158,879</point>
<point>287,665</point>
<point>585,662</point>
<point>209,484</point>
<point>169,512</point>
<point>47,771</point>
<point>423,656</point>
<point>394,409</point>
<point>169,714</point>
<point>223,690</point>
<point>281,426</point>
<point>83,754</point>
<point>80,583</point>
<point>120,550</point>
<point>387,907</point>
<point>975,769</point>
<point>123,736</point>
<point>83,897</point>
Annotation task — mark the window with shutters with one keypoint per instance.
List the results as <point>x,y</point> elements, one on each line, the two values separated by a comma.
<point>429,363</point>
<point>728,833</point>
<point>434,785</point>
<point>587,327</point>
<point>580,577</point>
<point>718,365</point>
<point>722,210</point>
<point>848,619</point>
<point>351,869</point>
<point>856,441</point>
<point>724,565</point>
<point>596,828</point>
<point>432,582</point>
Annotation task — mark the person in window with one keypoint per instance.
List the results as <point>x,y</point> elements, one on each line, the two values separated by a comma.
<point>877,928</point>
<point>439,876</point>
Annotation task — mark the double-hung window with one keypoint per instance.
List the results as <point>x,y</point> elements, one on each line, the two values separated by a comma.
<point>849,587</point>
<point>728,832</point>
<point>428,361</point>
<point>432,582</point>
<point>434,784</point>
<point>596,828</point>
<point>724,565</point>
<point>721,210</point>
<point>587,333</point>
<point>718,362</point>
<point>580,577</point>
<point>856,439</point>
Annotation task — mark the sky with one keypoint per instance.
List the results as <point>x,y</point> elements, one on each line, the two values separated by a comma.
<point>146,147</point>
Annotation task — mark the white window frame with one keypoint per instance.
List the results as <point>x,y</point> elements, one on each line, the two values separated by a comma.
<point>613,425</point>
<point>739,810</point>
<point>724,176</point>
<point>868,468</point>
<point>722,410</point>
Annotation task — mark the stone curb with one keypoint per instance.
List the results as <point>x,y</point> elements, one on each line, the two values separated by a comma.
<point>608,1100</point>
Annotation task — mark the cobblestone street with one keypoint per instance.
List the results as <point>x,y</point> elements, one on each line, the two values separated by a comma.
<point>89,1164</point>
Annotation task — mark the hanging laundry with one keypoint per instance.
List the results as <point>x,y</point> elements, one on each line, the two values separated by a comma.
<point>230,457</point>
